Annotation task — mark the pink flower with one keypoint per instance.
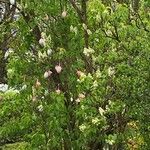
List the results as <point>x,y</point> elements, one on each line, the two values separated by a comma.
<point>64,14</point>
<point>81,96</point>
<point>49,72</point>
<point>38,84</point>
<point>79,73</point>
<point>58,68</point>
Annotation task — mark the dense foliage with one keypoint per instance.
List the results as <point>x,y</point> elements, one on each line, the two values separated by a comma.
<point>78,74</point>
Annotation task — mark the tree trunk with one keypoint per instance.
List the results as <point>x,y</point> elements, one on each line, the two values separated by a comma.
<point>3,73</point>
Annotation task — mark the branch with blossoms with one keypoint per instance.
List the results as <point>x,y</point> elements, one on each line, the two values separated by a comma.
<point>82,14</point>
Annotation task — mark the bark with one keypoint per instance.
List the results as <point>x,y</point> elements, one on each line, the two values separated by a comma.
<point>7,18</point>
<point>3,72</point>
<point>135,5</point>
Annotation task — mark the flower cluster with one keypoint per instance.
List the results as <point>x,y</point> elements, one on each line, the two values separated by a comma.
<point>88,51</point>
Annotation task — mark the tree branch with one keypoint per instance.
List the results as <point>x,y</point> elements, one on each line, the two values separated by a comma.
<point>79,12</point>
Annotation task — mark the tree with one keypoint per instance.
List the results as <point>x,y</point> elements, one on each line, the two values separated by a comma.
<point>82,71</point>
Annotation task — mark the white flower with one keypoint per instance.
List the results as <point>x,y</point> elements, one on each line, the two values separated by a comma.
<point>49,72</point>
<point>6,54</point>
<point>73,29</point>
<point>98,74</point>
<point>34,99</point>
<point>78,100</point>
<point>80,73</point>
<point>24,87</point>
<point>110,102</point>
<point>82,127</point>
<point>89,76</point>
<point>10,72</point>
<point>111,71</point>
<point>15,91</point>
<point>98,17</point>
<point>108,32</point>
<point>110,142</point>
<point>12,2</point>
<point>64,14</point>
<point>71,99</point>
<point>83,75</point>
<point>95,120</point>
<point>42,42</point>
<point>58,91</point>
<point>58,68</point>
<point>88,51</point>
<point>96,39</point>
<point>111,139</point>
<point>101,111</point>
<point>3,87</point>
<point>81,96</point>
<point>43,35</point>
<point>46,17</point>
<point>89,32</point>
<point>46,74</point>
<point>46,92</point>
<point>49,52</point>
<point>42,55</point>
<point>84,26</point>
<point>40,108</point>
<point>95,84</point>
<point>10,50</point>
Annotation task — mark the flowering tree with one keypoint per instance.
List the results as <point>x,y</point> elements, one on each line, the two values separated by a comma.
<point>81,70</point>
